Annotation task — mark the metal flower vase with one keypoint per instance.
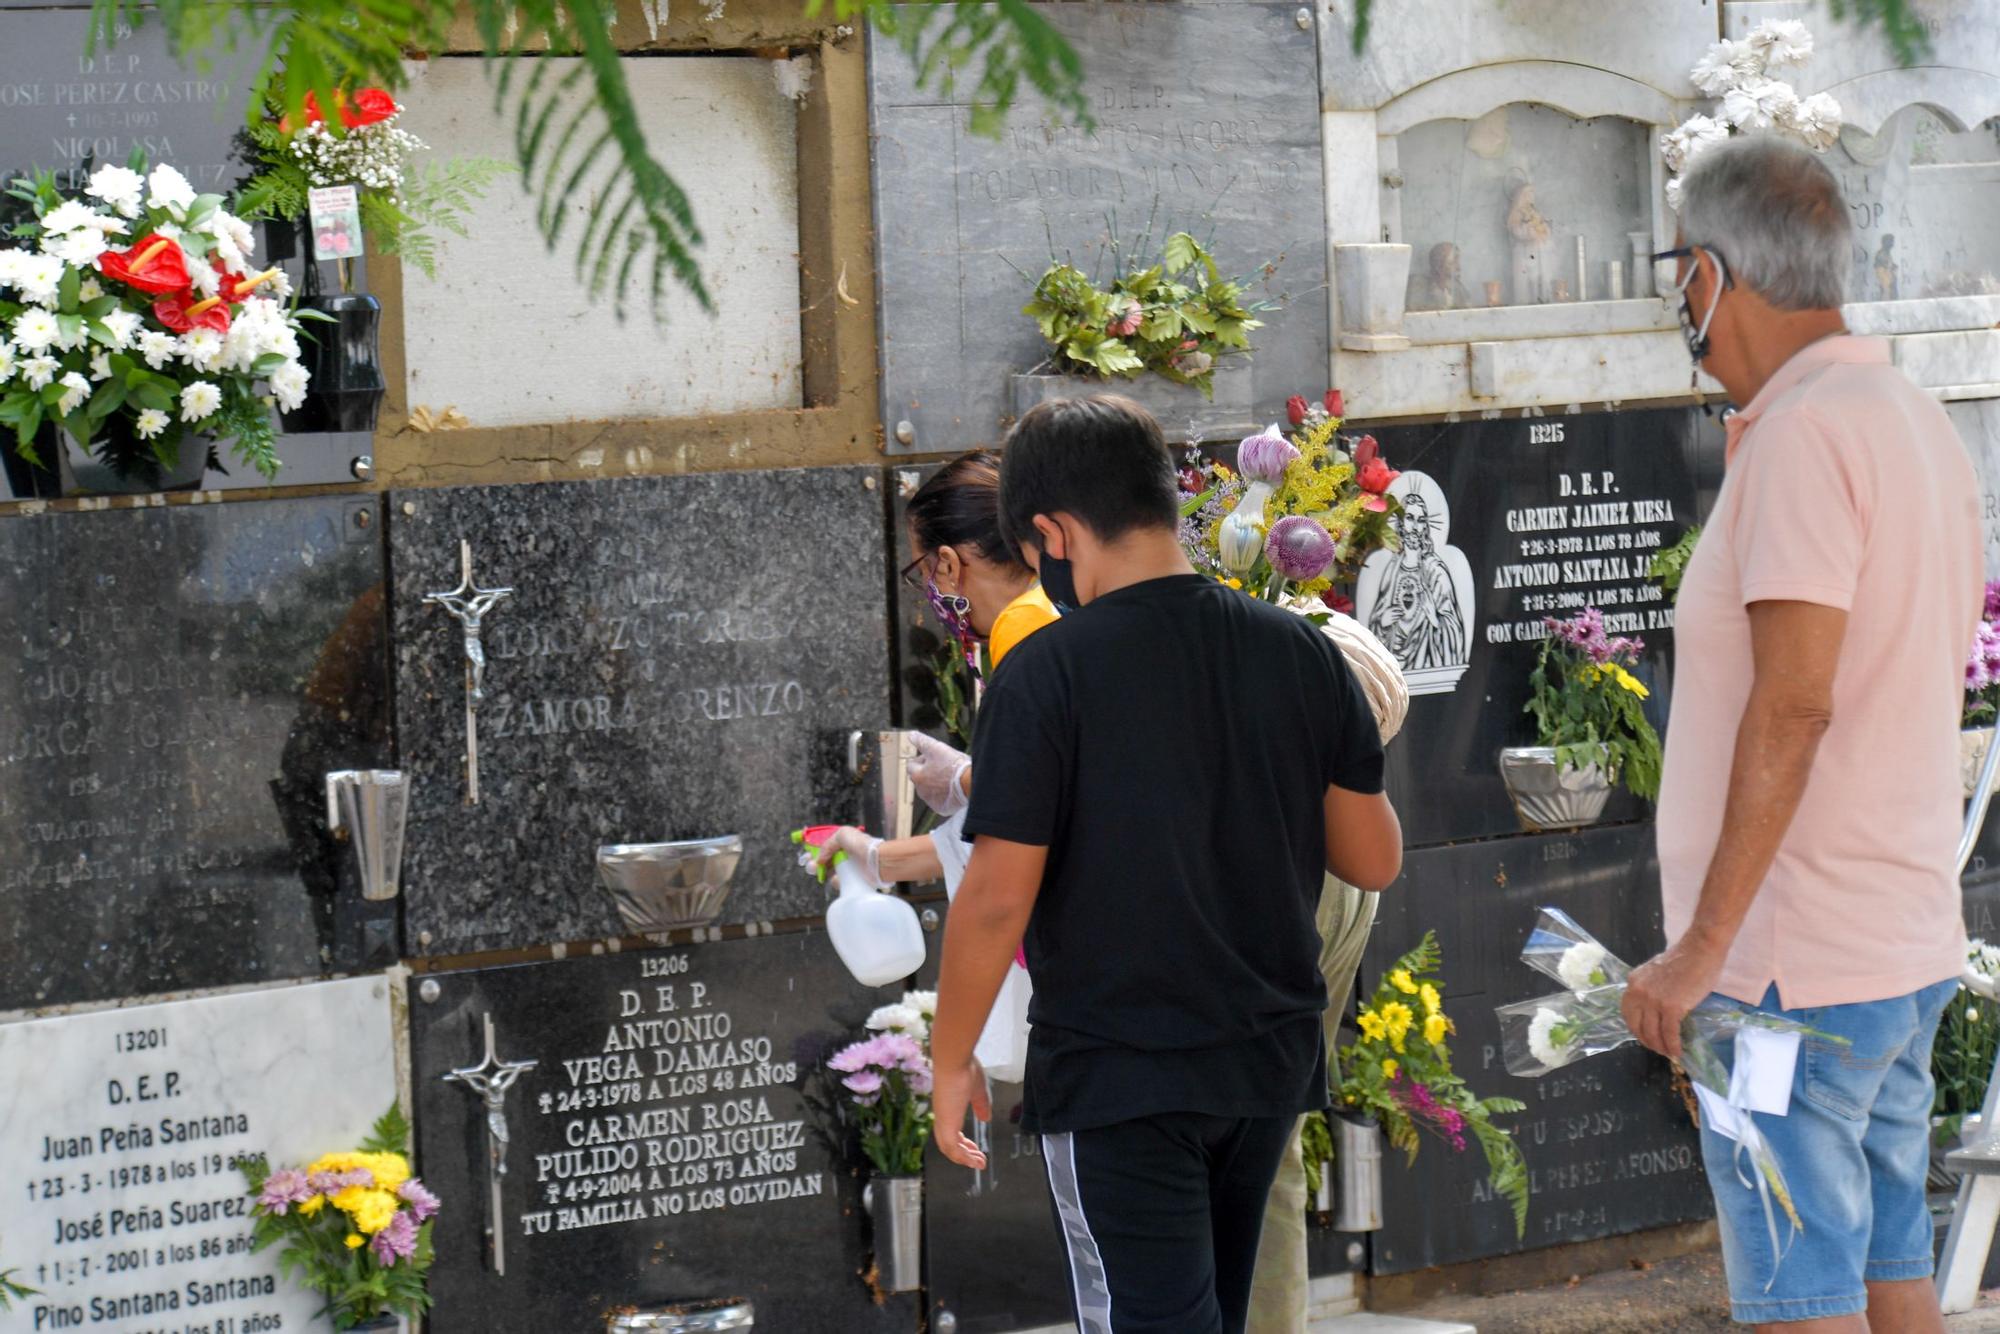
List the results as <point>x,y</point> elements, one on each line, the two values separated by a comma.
<point>896,1207</point>
<point>1547,796</point>
<point>706,1317</point>
<point>1357,1173</point>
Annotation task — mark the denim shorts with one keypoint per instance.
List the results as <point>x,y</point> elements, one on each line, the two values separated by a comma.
<point>1854,1149</point>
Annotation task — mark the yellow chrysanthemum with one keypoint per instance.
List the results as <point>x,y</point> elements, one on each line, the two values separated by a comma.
<point>313,1206</point>
<point>1435,1028</point>
<point>391,1169</point>
<point>1403,982</point>
<point>1398,1017</point>
<point>1432,1001</point>
<point>1371,1025</point>
<point>1389,1069</point>
<point>1631,683</point>
<point>371,1210</point>
<point>354,1241</point>
<point>338,1162</point>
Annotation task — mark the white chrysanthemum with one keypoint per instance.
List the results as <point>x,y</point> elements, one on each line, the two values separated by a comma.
<point>10,266</point>
<point>40,372</point>
<point>1582,966</point>
<point>120,187</point>
<point>151,422</point>
<point>78,249</point>
<point>100,366</point>
<point>1723,66</point>
<point>168,189</point>
<point>898,1018</point>
<point>203,278</point>
<point>36,330</point>
<point>89,289</point>
<point>279,285</point>
<point>235,240</point>
<point>199,401</point>
<point>39,277</point>
<point>1816,121</point>
<point>75,389</point>
<point>124,326</point>
<point>1541,1042</point>
<point>1781,43</point>
<point>6,360</point>
<point>158,348</point>
<point>72,214</point>
<point>288,386</point>
<point>201,349</point>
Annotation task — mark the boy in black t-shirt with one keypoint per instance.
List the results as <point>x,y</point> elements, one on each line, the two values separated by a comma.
<point>1160,779</point>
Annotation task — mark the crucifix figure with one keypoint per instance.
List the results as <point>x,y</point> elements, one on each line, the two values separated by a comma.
<point>468,604</point>
<point>491,1079</point>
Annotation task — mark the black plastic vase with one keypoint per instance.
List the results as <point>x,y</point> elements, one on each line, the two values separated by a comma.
<point>343,357</point>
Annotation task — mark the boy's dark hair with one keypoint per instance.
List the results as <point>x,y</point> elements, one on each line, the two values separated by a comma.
<point>1101,459</point>
<point>960,507</point>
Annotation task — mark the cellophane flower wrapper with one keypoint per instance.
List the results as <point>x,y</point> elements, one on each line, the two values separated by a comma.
<point>1550,1032</point>
<point>1564,951</point>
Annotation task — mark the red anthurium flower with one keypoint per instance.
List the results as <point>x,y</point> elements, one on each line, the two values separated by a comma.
<point>1296,409</point>
<point>183,311</point>
<point>154,263</point>
<point>368,107</point>
<point>1334,406</point>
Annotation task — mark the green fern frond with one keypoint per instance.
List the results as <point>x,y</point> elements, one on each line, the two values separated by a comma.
<point>1505,1168</point>
<point>391,1132</point>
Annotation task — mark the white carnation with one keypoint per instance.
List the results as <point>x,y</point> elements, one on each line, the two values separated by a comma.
<point>1757,105</point>
<point>1725,65</point>
<point>1780,43</point>
<point>1689,139</point>
<point>1816,121</point>
<point>169,190</point>
<point>40,372</point>
<point>199,401</point>
<point>1541,1040</point>
<point>151,422</point>
<point>36,330</point>
<point>1582,966</point>
<point>120,187</point>
<point>288,386</point>
<point>75,389</point>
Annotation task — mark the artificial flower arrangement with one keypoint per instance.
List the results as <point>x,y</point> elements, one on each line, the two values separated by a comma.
<point>1295,518</point>
<point>1399,1072</point>
<point>355,1226</point>
<point>1982,666</point>
<point>888,1082</point>
<point>1738,74</point>
<point>364,146</point>
<point>132,319</point>
<point>1588,706</point>
<point>1174,317</point>
<point>1962,1056</point>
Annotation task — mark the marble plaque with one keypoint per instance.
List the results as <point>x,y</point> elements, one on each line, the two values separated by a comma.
<point>1609,1147</point>
<point>1546,516</point>
<point>126,1210</point>
<point>1207,120</point>
<point>674,650</point>
<point>183,676</point>
<point>67,112</point>
<point>1978,424</point>
<point>674,1142</point>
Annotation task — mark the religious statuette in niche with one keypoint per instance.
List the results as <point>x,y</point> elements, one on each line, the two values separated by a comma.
<point>1531,236</point>
<point>491,1079</point>
<point>1439,287</point>
<point>1419,600</point>
<point>468,604</point>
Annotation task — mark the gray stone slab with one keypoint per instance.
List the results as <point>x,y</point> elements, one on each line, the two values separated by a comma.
<point>181,678</point>
<point>1207,120</point>
<point>673,652</point>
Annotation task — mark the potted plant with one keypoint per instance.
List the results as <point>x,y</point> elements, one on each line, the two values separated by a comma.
<point>1591,728</point>
<point>1396,1080</point>
<point>364,147</point>
<point>1167,327</point>
<point>1982,693</point>
<point>135,334</point>
<point>888,1081</point>
<point>355,1227</point>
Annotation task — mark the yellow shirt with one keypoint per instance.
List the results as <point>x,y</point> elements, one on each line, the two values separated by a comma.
<point>1019,619</point>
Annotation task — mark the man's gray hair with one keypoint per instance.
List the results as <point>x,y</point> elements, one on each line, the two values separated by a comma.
<point>1775,213</point>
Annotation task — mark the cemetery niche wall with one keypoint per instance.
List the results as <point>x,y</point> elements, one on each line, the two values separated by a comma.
<point>1207,120</point>
<point>185,676</point>
<point>649,678</point>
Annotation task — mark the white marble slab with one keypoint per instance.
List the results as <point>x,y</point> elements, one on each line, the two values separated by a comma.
<point>125,1209</point>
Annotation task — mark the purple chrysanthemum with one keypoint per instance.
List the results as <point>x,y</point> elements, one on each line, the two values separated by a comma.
<point>422,1203</point>
<point>1299,548</point>
<point>397,1240</point>
<point>332,1183</point>
<point>284,1188</point>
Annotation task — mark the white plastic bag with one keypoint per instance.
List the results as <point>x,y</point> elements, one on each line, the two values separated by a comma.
<point>1002,1048</point>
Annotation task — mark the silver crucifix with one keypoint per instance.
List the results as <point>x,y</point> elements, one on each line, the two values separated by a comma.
<point>468,604</point>
<point>491,1079</point>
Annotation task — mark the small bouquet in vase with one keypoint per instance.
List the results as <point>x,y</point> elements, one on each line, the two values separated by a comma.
<point>888,1079</point>
<point>1586,1019</point>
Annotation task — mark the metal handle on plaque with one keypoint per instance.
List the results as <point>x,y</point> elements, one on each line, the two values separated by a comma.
<point>879,763</point>
<point>372,805</point>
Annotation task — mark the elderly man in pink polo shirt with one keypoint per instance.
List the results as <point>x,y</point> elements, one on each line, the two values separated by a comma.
<point>1809,814</point>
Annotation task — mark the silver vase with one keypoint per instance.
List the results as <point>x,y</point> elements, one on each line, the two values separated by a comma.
<point>1357,1168</point>
<point>896,1206</point>
<point>1548,796</point>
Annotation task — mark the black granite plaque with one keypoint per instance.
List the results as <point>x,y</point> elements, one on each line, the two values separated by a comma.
<point>674,1142</point>
<point>1547,515</point>
<point>674,649</point>
<point>181,679</point>
<point>1608,1143</point>
<point>1207,120</point>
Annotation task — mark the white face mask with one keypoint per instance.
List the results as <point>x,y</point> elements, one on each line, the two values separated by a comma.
<point>1696,336</point>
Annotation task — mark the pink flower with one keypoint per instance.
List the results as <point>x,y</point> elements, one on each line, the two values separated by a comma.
<point>864,1081</point>
<point>1126,324</point>
<point>332,1183</point>
<point>422,1203</point>
<point>283,1189</point>
<point>1264,456</point>
<point>1299,548</point>
<point>397,1240</point>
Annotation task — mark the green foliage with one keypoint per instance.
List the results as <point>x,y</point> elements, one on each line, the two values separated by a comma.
<point>1901,25</point>
<point>943,685</point>
<point>1173,316</point>
<point>1591,710</point>
<point>1962,1059</point>
<point>390,1133</point>
<point>1316,1146</point>
<point>1670,563</point>
<point>1399,1072</point>
<point>577,134</point>
<point>10,1291</point>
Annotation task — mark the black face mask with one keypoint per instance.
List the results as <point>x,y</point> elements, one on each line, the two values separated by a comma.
<point>1059,582</point>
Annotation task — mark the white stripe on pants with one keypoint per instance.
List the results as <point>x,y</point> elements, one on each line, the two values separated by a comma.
<point>1086,1265</point>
